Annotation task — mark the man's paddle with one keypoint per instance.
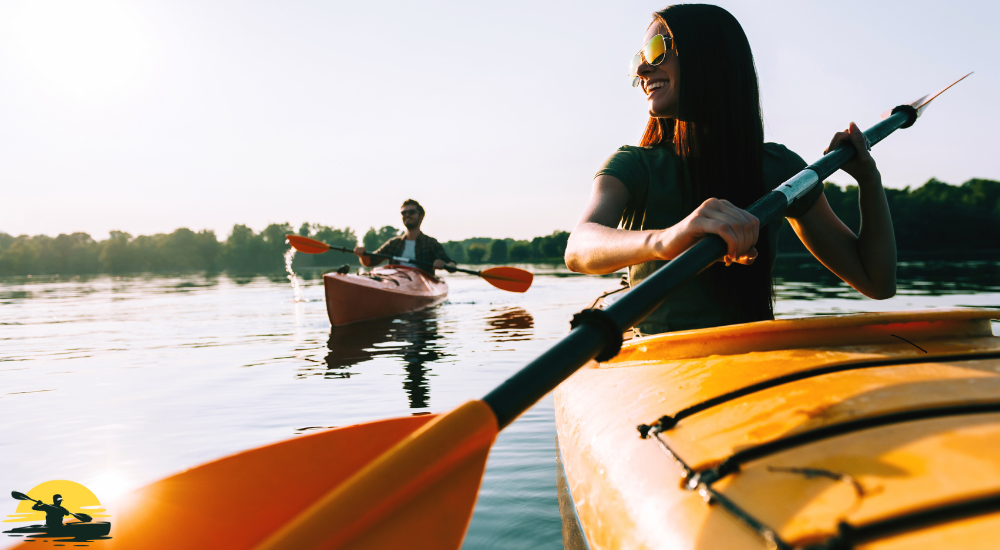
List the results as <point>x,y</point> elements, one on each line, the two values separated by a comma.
<point>506,278</point>
<point>21,496</point>
<point>407,482</point>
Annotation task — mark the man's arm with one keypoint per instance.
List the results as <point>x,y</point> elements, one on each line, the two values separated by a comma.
<point>441,258</point>
<point>387,248</point>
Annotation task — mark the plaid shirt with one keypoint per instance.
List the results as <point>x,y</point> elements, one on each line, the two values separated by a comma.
<point>428,249</point>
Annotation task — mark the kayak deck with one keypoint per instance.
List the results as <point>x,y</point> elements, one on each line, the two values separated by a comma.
<point>798,431</point>
<point>383,292</point>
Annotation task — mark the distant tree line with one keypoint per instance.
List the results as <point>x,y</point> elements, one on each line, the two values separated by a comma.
<point>931,218</point>
<point>935,217</point>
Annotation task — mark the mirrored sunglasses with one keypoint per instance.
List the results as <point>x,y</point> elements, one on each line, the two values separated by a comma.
<point>654,52</point>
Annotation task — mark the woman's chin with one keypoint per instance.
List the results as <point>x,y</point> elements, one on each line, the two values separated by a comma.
<point>662,113</point>
<point>661,109</point>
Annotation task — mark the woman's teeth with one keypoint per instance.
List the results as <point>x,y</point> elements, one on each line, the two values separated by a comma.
<point>656,85</point>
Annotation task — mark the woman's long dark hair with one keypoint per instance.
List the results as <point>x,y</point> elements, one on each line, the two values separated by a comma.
<point>719,133</point>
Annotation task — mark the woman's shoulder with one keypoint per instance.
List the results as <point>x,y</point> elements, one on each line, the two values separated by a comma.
<point>642,152</point>
<point>776,152</point>
<point>780,163</point>
<point>632,164</point>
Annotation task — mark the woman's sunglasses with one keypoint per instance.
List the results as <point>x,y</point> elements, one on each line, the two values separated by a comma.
<point>654,52</point>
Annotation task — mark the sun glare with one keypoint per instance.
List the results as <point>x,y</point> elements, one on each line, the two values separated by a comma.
<point>93,47</point>
<point>109,485</point>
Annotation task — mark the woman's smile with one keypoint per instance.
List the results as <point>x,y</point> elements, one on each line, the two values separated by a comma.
<point>660,82</point>
<point>651,87</point>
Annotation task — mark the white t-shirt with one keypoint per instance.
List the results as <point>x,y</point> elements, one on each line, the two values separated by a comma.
<point>409,250</point>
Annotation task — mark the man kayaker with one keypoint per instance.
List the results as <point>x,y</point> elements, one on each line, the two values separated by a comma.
<point>54,512</point>
<point>413,244</point>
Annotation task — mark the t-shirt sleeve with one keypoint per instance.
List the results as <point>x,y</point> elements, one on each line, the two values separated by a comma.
<point>626,165</point>
<point>792,164</point>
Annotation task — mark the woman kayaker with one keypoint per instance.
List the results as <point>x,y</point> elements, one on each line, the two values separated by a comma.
<point>701,160</point>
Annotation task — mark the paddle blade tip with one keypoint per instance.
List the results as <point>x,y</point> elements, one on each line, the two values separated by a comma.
<point>306,245</point>
<point>510,279</point>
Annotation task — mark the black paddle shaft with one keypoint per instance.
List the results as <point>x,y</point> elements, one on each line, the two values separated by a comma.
<point>587,340</point>
<point>421,265</point>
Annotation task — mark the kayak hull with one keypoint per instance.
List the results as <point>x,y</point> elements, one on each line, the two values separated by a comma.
<point>78,531</point>
<point>865,421</point>
<point>387,291</point>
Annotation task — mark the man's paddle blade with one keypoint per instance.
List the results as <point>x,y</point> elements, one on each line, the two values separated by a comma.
<point>418,495</point>
<point>239,501</point>
<point>83,517</point>
<point>307,245</point>
<point>20,496</point>
<point>510,279</point>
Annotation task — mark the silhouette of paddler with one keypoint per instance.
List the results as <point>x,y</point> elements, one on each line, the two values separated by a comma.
<point>54,512</point>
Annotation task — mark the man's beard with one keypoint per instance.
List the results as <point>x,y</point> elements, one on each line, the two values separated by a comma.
<point>412,225</point>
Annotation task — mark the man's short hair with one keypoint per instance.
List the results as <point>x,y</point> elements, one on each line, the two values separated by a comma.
<point>411,202</point>
<point>56,497</point>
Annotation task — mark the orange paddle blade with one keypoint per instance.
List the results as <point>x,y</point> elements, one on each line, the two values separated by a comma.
<point>307,245</point>
<point>510,279</point>
<point>239,501</point>
<point>420,494</point>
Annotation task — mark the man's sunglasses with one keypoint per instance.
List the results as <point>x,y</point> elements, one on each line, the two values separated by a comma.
<point>412,212</point>
<point>654,52</point>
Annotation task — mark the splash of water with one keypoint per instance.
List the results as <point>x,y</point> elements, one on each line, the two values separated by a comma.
<point>292,277</point>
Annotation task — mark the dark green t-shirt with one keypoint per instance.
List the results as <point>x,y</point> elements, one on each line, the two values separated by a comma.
<point>660,196</point>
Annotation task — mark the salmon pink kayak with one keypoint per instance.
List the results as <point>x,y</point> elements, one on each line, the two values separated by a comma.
<point>382,292</point>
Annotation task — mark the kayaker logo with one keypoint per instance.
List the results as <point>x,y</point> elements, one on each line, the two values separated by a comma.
<point>52,502</point>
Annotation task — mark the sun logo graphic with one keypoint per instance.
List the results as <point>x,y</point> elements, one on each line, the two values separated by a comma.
<point>62,511</point>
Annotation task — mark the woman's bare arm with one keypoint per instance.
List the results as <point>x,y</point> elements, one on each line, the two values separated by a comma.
<point>597,246</point>
<point>866,261</point>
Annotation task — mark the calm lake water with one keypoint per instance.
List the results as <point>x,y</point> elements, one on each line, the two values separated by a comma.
<point>118,382</point>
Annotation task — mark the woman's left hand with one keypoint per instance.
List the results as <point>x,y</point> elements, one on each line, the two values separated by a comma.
<point>862,167</point>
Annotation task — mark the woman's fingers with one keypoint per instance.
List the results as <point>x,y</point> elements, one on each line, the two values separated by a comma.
<point>855,137</point>
<point>838,139</point>
<point>744,224</point>
<point>736,226</point>
<point>860,142</point>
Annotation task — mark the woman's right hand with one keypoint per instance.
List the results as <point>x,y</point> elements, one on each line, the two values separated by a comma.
<point>719,217</point>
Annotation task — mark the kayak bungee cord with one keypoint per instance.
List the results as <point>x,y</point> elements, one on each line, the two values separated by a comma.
<point>847,534</point>
<point>669,421</point>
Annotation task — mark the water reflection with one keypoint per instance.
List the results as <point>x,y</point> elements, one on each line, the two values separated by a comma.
<point>510,324</point>
<point>806,278</point>
<point>413,338</point>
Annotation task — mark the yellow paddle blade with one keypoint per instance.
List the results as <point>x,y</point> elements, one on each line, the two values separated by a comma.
<point>510,279</point>
<point>239,501</point>
<point>420,494</point>
<point>307,245</point>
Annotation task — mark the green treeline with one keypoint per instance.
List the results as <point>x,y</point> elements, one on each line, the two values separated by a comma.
<point>931,218</point>
<point>935,217</point>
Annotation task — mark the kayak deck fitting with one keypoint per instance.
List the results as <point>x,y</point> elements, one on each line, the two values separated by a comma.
<point>872,431</point>
<point>383,292</point>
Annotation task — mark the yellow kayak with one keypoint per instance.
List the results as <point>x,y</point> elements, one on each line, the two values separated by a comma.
<point>874,431</point>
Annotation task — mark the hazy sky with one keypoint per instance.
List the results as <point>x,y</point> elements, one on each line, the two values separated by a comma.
<point>153,115</point>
